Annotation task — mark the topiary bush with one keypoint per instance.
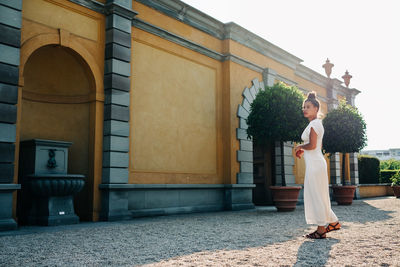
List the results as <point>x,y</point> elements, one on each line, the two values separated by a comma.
<point>276,115</point>
<point>385,176</point>
<point>368,169</point>
<point>345,131</point>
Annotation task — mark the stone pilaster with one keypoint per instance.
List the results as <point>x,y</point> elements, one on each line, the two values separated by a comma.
<point>269,76</point>
<point>334,162</point>
<point>10,38</point>
<point>117,73</point>
<point>288,164</point>
<point>354,172</point>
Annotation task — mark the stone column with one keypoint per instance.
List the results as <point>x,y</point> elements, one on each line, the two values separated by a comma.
<point>117,73</point>
<point>354,172</point>
<point>10,38</point>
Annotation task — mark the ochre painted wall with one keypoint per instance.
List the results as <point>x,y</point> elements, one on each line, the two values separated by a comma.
<point>375,191</point>
<point>175,114</point>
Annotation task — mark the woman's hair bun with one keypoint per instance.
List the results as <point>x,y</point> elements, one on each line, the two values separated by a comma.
<point>312,95</point>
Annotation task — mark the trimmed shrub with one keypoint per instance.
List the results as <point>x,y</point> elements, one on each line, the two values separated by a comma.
<point>276,115</point>
<point>345,132</point>
<point>368,169</point>
<point>385,176</point>
<point>390,164</point>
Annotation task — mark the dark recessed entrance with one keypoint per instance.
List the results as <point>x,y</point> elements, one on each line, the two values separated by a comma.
<point>263,175</point>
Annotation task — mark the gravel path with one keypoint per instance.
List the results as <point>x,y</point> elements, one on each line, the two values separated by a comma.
<point>262,237</point>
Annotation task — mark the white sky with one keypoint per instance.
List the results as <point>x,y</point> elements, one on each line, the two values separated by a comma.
<point>362,36</point>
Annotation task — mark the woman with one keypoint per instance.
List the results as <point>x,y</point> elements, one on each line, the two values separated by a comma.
<point>317,205</point>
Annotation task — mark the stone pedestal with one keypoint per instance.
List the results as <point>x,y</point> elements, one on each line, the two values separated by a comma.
<point>52,211</point>
<point>47,190</point>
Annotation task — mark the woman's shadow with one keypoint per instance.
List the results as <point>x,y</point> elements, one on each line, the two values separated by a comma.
<point>315,252</point>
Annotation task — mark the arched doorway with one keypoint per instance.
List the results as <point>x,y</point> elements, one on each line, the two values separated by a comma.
<point>255,162</point>
<point>55,105</point>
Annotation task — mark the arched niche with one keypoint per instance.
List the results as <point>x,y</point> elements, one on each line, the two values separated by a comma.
<point>58,89</point>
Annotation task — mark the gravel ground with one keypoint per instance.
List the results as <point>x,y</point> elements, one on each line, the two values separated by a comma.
<point>262,237</point>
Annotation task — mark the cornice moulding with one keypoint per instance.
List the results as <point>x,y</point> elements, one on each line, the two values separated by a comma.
<point>197,19</point>
<point>114,8</point>
<point>148,27</point>
<point>187,14</point>
<point>311,75</point>
<point>91,4</point>
<point>245,37</point>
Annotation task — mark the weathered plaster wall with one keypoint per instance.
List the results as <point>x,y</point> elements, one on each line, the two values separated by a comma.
<point>175,117</point>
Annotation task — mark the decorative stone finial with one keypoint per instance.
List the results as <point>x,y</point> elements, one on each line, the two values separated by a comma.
<point>328,67</point>
<point>346,77</point>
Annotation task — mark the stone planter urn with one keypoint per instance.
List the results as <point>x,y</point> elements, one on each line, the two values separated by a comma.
<point>48,192</point>
<point>285,197</point>
<point>344,194</point>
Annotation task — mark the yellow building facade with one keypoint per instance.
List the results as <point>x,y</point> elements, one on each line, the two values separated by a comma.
<point>154,96</point>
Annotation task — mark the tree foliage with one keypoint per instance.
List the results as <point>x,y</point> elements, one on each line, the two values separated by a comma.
<point>345,130</point>
<point>276,115</point>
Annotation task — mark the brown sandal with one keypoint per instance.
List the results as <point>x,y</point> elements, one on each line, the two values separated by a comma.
<point>333,227</point>
<point>316,235</point>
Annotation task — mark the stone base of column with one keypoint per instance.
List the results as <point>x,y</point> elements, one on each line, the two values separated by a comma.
<point>239,196</point>
<point>7,224</point>
<point>114,204</point>
<point>6,206</point>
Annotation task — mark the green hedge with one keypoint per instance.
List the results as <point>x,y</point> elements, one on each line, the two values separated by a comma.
<point>368,169</point>
<point>386,174</point>
<point>390,164</point>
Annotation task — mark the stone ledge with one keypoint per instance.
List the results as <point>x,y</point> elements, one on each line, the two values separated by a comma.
<point>176,210</point>
<point>385,184</point>
<point>172,186</point>
<point>9,187</point>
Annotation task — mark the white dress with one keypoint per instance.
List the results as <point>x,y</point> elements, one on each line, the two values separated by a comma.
<point>317,205</point>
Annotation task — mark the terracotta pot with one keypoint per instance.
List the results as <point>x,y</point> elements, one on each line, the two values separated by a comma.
<point>285,197</point>
<point>396,190</point>
<point>344,194</point>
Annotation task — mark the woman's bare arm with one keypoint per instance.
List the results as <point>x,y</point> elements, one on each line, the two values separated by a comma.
<point>312,144</point>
